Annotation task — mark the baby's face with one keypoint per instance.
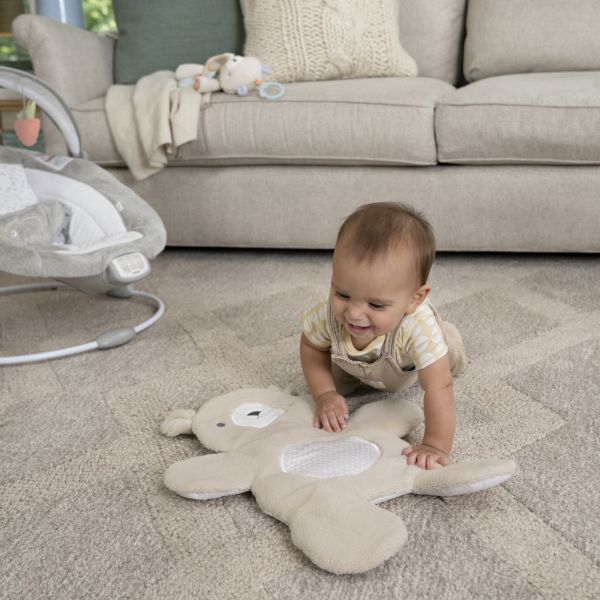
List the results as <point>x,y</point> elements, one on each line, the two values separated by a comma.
<point>370,298</point>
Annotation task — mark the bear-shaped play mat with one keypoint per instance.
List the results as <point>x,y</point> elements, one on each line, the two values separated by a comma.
<point>324,486</point>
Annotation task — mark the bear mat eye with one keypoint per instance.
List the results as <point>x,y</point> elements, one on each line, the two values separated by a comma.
<point>254,413</point>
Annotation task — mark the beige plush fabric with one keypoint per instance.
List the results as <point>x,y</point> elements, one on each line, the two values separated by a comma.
<point>323,485</point>
<point>549,118</point>
<point>518,36</point>
<point>151,119</point>
<point>326,39</point>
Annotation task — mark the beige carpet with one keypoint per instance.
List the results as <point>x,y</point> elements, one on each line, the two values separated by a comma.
<point>84,513</point>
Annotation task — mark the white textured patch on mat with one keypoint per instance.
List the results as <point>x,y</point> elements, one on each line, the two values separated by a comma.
<point>335,458</point>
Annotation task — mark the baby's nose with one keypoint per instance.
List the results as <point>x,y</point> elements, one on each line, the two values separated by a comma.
<point>355,312</point>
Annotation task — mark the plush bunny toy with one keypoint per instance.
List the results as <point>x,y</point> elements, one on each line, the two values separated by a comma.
<point>228,72</point>
<point>323,485</point>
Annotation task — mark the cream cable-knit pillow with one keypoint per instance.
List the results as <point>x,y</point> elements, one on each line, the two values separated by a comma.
<point>303,40</point>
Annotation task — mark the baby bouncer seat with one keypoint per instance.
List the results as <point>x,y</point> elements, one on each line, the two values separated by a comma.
<point>67,220</point>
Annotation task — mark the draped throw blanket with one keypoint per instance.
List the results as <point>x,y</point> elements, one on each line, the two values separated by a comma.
<point>151,119</point>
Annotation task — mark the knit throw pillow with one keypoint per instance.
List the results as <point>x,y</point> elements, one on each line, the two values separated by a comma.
<point>307,40</point>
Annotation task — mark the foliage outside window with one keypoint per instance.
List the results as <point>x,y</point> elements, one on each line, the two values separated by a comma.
<point>9,51</point>
<point>98,16</point>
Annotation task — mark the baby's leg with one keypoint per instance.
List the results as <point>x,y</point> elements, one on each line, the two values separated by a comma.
<point>344,382</point>
<point>456,348</point>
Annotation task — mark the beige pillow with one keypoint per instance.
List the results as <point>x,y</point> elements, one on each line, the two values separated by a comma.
<point>307,40</point>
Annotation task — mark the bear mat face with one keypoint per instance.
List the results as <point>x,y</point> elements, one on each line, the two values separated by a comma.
<point>324,486</point>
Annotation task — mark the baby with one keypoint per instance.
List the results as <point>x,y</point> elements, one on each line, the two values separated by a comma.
<point>378,328</point>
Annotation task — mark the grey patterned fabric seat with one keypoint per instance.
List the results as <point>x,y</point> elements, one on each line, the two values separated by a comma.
<point>72,218</point>
<point>65,218</point>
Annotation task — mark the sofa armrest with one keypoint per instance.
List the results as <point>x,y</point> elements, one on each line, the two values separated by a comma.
<point>76,63</point>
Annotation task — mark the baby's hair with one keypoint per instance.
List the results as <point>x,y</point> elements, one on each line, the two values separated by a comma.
<point>373,230</point>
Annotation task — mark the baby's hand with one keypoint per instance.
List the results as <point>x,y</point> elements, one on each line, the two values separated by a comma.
<point>425,457</point>
<point>331,412</point>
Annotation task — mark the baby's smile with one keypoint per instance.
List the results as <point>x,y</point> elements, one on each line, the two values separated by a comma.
<point>358,330</point>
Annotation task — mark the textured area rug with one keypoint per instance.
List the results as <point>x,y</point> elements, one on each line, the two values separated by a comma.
<point>85,514</point>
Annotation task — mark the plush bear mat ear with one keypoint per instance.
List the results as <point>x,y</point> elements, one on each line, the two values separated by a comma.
<point>177,422</point>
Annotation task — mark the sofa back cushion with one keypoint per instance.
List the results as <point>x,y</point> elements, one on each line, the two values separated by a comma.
<point>155,34</point>
<point>312,40</point>
<point>522,36</point>
<point>432,32</point>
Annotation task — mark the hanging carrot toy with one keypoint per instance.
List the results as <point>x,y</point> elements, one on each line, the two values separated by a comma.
<point>27,125</point>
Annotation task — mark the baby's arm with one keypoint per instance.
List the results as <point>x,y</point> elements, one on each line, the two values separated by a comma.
<point>331,411</point>
<point>440,417</point>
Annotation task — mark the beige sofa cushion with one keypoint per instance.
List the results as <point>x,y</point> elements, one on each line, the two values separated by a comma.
<point>313,40</point>
<point>490,208</point>
<point>432,32</point>
<point>96,139</point>
<point>95,133</point>
<point>549,118</point>
<point>522,36</point>
<point>379,121</point>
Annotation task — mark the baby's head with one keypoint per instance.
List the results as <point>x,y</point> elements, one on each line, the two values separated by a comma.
<point>383,254</point>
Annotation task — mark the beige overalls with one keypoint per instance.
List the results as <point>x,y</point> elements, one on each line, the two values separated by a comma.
<point>385,373</point>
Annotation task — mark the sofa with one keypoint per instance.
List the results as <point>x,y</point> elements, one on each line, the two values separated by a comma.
<point>497,140</point>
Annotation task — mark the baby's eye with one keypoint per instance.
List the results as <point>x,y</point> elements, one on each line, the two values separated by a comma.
<point>375,306</point>
<point>342,296</point>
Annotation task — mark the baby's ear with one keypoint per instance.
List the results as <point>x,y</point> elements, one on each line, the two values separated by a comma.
<point>419,297</point>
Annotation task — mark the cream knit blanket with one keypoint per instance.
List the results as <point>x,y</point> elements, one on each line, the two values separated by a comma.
<point>151,119</point>
<point>326,39</point>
